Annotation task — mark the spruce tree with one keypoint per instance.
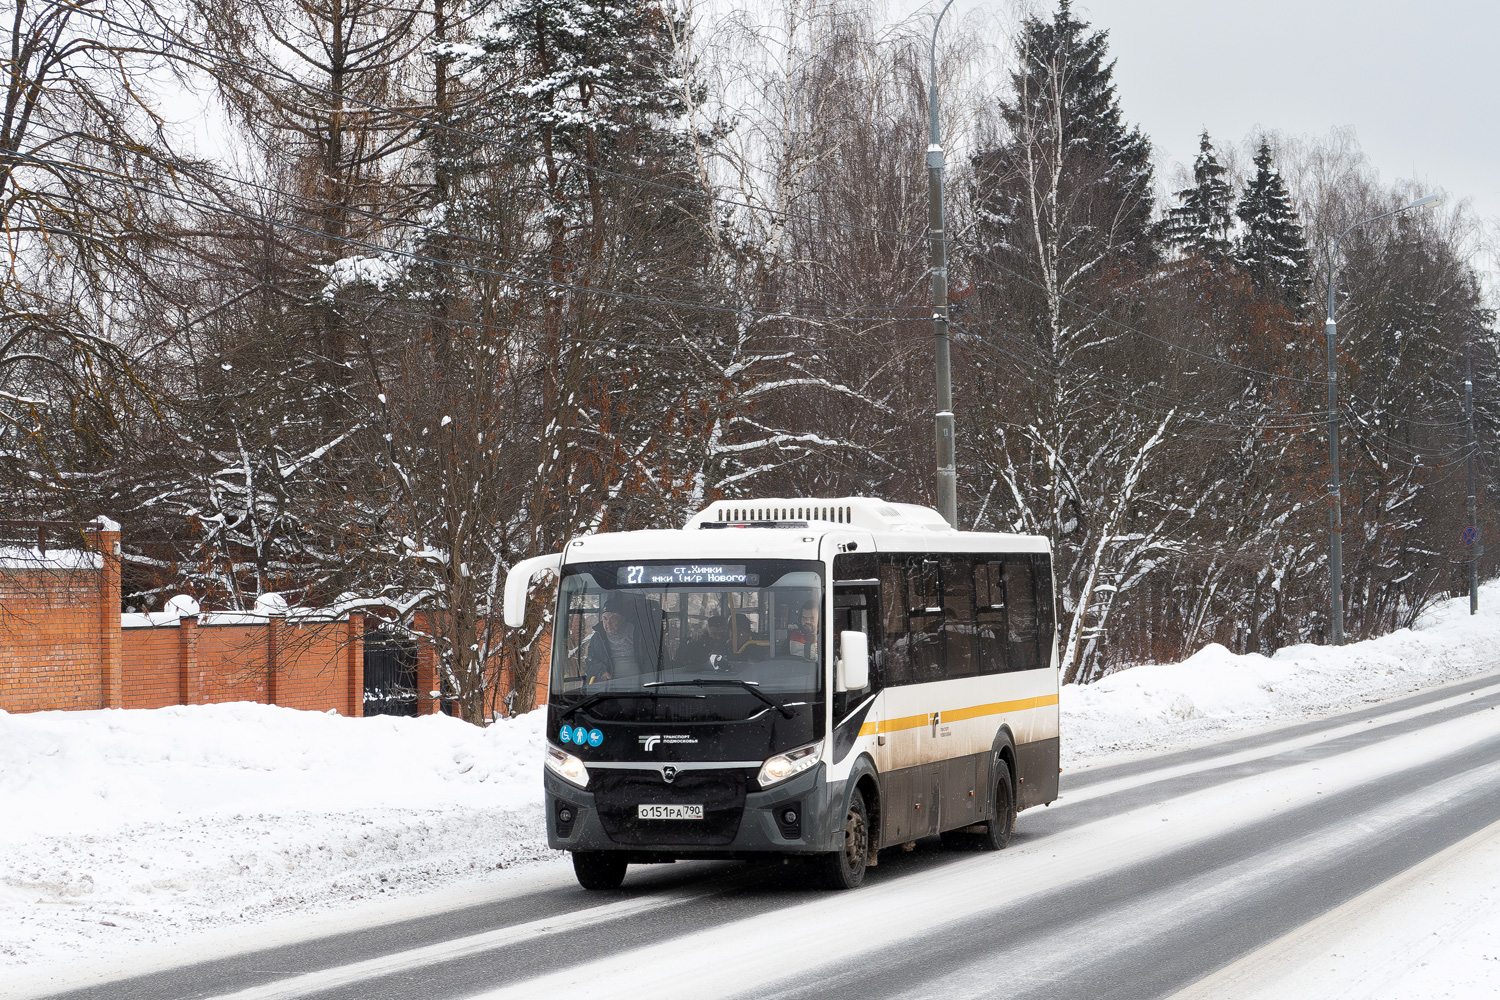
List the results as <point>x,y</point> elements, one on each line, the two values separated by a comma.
<point>1271,249</point>
<point>1066,79</point>
<point>1199,225</point>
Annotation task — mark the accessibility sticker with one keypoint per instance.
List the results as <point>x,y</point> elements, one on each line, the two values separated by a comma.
<point>566,735</point>
<point>580,735</point>
<point>595,737</point>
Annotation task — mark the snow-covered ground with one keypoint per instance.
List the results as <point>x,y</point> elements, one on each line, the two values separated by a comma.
<point>126,831</point>
<point>121,829</point>
<point>1216,693</point>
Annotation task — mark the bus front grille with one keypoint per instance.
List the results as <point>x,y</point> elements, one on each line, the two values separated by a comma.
<point>618,793</point>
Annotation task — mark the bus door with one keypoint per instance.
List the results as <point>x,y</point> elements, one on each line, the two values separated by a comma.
<point>854,610</point>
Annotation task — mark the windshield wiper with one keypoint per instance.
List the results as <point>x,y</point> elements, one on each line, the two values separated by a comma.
<point>750,686</point>
<point>595,699</point>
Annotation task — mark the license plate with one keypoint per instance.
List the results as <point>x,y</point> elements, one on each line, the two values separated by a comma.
<point>647,810</point>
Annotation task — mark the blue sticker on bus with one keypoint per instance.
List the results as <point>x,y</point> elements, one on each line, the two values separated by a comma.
<point>580,735</point>
<point>595,737</point>
<point>566,735</point>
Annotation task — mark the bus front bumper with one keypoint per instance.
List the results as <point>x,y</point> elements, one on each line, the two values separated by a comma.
<point>763,826</point>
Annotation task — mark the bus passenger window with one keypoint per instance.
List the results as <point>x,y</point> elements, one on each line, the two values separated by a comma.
<point>958,617</point>
<point>989,603</point>
<point>895,641</point>
<point>925,616</point>
<point>1020,606</point>
<point>1046,613</point>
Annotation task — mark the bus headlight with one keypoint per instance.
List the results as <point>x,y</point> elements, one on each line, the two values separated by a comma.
<point>567,767</point>
<point>783,766</point>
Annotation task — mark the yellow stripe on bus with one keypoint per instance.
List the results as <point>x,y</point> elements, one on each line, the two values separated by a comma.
<point>956,715</point>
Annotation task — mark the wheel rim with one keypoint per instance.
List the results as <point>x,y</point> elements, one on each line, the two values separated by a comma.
<point>855,840</point>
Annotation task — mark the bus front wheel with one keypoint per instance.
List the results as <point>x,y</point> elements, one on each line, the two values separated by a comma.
<point>845,869</point>
<point>1003,820</point>
<point>599,869</point>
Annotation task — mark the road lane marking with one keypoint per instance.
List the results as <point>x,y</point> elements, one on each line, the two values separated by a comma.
<point>1373,724</point>
<point>834,929</point>
<point>308,983</point>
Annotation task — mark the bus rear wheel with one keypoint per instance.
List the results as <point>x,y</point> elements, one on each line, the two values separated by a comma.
<point>845,869</point>
<point>1003,820</point>
<point>599,869</point>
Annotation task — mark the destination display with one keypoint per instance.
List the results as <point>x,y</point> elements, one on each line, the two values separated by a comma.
<point>700,574</point>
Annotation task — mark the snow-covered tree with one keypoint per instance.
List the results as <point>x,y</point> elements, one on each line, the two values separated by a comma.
<point>1271,248</point>
<point>1200,223</point>
<point>1064,205</point>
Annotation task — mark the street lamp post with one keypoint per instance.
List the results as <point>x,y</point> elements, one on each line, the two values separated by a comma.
<point>1335,510</point>
<point>947,473</point>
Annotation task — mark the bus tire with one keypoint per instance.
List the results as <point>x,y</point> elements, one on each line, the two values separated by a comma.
<point>1003,820</point>
<point>599,869</point>
<point>845,869</point>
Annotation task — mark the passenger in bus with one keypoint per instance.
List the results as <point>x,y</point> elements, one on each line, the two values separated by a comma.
<point>802,640</point>
<point>713,641</point>
<point>615,648</point>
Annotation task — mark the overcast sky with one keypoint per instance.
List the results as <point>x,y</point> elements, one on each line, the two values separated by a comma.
<point>1417,81</point>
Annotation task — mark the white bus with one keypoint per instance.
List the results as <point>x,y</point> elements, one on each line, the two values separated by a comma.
<point>801,677</point>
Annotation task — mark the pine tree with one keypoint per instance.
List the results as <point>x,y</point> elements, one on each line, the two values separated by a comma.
<point>1271,250</point>
<point>1199,225</point>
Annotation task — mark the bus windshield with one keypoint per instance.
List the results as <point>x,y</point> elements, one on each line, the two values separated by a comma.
<point>720,640</point>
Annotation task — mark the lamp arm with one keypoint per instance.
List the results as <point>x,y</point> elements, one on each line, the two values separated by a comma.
<point>1333,247</point>
<point>932,98</point>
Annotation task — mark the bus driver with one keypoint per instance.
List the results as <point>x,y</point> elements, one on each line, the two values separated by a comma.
<point>803,638</point>
<point>614,648</point>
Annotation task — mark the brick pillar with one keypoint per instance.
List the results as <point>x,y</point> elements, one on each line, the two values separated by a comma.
<point>106,541</point>
<point>354,652</point>
<point>273,649</point>
<point>188,692</point>
<point>427,679</point>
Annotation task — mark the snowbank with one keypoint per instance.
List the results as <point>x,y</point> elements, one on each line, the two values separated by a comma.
<point>1215,692</point>
<point>127,827</point>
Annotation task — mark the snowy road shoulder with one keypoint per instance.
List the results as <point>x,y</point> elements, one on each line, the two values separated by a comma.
<point>130,830</point>
<point>1433,931</point>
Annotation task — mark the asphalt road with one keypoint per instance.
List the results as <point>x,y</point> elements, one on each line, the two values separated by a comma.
<point>1142,879</point>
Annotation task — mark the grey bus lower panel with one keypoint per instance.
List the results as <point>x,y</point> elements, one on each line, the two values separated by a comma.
<point>1037,766</point>
<point>927,799</point>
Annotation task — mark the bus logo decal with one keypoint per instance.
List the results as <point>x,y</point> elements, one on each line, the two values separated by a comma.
<point>648,743</point>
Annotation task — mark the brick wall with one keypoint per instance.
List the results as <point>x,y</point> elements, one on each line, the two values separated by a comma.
<point>50,627</point>
<point>149,668</point>
<point>194,661</point>
<point>65,645</point>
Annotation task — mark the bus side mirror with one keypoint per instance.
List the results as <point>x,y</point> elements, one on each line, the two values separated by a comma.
<point>854,662</point>
<point>518,584</point>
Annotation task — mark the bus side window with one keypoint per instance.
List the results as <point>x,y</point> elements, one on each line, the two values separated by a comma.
<point>1046,611</point>
<point>895,642</point>
<point>989,602</point>
<point>958,617</point>
<point>925,613</point>
<point>1021,617</point>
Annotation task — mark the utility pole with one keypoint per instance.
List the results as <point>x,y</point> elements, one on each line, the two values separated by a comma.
<point>1335,497</point>
<point>947,472</point>
<point>1475,549</point>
